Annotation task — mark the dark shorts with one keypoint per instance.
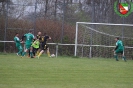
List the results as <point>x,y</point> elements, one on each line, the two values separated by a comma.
<point>119,51</point>
<point>40,46</point>
<point>44,46</point>
<point>35,49</point>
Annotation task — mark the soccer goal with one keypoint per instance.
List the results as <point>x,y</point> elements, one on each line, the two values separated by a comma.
<point>97,39</point>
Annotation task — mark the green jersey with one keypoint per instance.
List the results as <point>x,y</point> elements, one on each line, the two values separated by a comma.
<point>120,45</point>
<point>29,38</point>
<point>17,41</point>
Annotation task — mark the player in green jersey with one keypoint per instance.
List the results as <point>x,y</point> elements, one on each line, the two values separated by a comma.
<point>119,49</point>
<point>28,42</point>
<point>18,44</point>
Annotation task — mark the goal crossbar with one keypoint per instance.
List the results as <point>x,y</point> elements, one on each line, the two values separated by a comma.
<point>104,24</point>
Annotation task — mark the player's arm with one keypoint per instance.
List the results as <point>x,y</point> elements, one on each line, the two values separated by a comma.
<point>15,40</point>
<point>49,37</point>
<point>33,37</point>
<point>117,44</point>
<point>23,38</point>
<point>35,42</point>
<point>116,48</point>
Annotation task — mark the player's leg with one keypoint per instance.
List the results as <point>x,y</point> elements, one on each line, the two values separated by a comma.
<point>116,55</point>
<point>41,52</point>
<point>123,56</point>
<point>48,52</point>
<point>23,54</point>
<point>20,50</point>
<point>31,52</point>
<point>39,49</point>
<point>27,48</point>
<point>47,48</point>
<point>34,51</point>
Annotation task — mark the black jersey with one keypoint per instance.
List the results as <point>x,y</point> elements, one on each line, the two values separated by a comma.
<point>39,37</point>
<point>44,39</point>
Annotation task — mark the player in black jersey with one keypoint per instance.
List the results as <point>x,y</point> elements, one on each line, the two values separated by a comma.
<point>39,36</point>
<point>44,45</point>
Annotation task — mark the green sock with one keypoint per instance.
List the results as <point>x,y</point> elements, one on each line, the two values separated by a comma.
<point>23,53</point>
<point>116,57</point>
<point>124,58</point>
<point>31,54</point>
<point>20,52</point>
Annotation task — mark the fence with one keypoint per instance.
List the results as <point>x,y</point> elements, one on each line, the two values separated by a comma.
<point>68,50</point>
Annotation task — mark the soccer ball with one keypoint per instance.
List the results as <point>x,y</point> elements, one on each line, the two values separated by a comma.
<point>52,55</point>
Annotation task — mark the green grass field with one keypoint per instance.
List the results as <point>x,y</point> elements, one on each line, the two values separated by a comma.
<point>64,72</point>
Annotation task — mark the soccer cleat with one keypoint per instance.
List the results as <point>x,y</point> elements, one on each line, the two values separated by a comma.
<point>38,57</point>
<point>32,57</point>
<point>125,60</point>
<point>117,60</point>
<point>17,54</point>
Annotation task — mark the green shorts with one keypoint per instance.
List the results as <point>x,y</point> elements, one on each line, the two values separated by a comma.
<point>28,46</point>
<point>19,47</point>
<point>119,51</point>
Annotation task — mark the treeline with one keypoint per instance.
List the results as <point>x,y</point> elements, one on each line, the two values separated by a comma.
<point>47,14</point>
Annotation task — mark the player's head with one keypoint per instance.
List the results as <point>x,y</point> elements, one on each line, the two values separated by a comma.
<point>39,33</point>
<point>117,38</point>
<point>31,30</point>
<point>17,34</point>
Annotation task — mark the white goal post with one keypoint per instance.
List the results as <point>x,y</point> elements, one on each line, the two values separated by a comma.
<point>102,24</point>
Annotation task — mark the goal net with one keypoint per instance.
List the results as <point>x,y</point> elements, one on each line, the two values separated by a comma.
<point>97,39</point>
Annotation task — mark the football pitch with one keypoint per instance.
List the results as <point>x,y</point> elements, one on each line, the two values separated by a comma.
<point>64,72</point>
